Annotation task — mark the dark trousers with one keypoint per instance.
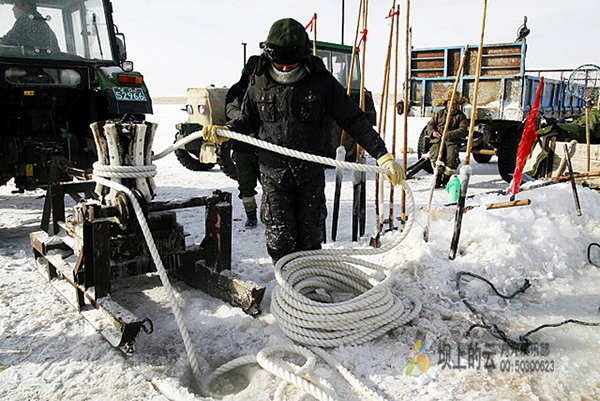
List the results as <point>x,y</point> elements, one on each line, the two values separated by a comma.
<point>246,165</point>
<point>450,156</point>
<point>294,214</point>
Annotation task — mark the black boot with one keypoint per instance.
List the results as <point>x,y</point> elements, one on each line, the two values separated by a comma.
<point>251,219</point>
<point>439,180</point>
<point>250,208</point>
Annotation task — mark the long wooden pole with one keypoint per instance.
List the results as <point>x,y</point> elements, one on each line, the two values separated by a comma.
<point>341,150</point>
<point>315,34</point>
<point>375,241</point>
<point>406,102</point>
<point>466,170</point>
<point>442,143</point>
<point>391,215</point>
<point>359,178</point>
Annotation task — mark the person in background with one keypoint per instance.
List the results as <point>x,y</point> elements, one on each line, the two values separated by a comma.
<point>457,131</point>
<point>245,155</point>
<point>30,29</point>
<point>287,103</point>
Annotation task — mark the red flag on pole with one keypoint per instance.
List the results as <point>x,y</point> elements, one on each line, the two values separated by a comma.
<point>527,140</point>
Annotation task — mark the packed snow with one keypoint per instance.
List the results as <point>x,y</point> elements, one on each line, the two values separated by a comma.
<point>48,351</point>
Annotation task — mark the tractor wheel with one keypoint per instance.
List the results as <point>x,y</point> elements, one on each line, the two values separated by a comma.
<point>224,152</point>
<point>422,148</point>
<point>507,152</point>
<point>191,162</point>
<point>482,159</point>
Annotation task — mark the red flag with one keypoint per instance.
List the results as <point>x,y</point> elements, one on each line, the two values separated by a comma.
<point>527,140</point>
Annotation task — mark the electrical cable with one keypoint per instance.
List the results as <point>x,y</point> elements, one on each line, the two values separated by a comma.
<point>523,343</point>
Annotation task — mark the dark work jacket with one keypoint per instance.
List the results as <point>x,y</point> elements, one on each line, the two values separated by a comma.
<point>457,128</point>
<point>297,116</point>
<point>233,106</point>
<point>31,31</point>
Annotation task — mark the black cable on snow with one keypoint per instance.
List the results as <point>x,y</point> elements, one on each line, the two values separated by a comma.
<point>589,253</point>
<point>523,343</point>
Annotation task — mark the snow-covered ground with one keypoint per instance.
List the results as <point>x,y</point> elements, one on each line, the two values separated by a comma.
<point>47,351</point>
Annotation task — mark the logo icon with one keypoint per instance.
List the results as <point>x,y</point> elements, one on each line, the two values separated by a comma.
<point>418,357</point>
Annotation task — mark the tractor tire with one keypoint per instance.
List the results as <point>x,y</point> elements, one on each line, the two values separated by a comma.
<point>224,153</point>
<point>422,148</point>
<point>507,152</point>
<point>482,159</point>
<point>191,162</point>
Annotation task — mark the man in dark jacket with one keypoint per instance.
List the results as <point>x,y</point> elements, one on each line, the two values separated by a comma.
<point>30,29</point>
<point>288,102</point>
<point>457,130</point>
<point>246,159</point>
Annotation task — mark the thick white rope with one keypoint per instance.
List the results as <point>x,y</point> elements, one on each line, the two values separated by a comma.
<point>373,310</point>
<point>307,279</point>
<point>187,341</point>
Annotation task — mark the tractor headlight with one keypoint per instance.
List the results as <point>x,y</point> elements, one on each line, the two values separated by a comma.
<point>189,109</point>
<point>127,66</point>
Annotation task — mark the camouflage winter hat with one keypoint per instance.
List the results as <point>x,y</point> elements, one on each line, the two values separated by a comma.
<point>447,96</point>
<point>287,42</point>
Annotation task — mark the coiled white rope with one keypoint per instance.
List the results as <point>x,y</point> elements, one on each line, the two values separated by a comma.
<point>374,310</point>
<point>302,302</point>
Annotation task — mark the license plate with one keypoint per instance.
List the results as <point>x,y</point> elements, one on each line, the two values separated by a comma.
<point>129,94</point>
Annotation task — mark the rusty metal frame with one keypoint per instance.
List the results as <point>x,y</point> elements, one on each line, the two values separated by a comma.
<point>206,266</point>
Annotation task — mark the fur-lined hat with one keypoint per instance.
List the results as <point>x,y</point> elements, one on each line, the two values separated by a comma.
<point>457,99</point>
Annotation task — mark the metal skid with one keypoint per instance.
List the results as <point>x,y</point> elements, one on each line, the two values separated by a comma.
<point>85,253</point>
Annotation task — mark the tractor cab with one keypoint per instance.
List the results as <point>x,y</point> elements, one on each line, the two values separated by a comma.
<point>63,66</point>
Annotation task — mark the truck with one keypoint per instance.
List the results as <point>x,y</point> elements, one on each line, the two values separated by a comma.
<point>505,96</point>
<point>49,96</point>
<point>206,105</point>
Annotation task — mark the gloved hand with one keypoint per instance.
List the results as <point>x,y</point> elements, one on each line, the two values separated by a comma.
<point>209,133</point>
<point>396,175</point>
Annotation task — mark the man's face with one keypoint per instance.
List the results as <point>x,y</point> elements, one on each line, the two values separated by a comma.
<point>452,107</point>
<point>17,11</point>
<point>286,67</point>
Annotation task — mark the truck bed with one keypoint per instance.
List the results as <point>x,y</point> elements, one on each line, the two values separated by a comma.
<point>506,89</point>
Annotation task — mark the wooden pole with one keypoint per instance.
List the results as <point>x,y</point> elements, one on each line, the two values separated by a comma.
<point>375,241</point>
<point>587,133</point>
<point>502,205</point>
<point>572,177</point>
<point>406,102</point>
<point>442,143</point>
<point>464,185</point>
<point>391,216</point>
<point>315,34</point>
<point>359,178</point>
<point>341,150</point>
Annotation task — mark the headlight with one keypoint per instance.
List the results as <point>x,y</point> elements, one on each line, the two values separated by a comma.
<point>189,109</point>
<point>70,77</point>
<point>127,66</point>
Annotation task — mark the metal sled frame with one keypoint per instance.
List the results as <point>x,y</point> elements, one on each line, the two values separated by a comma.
<point>205,266</point>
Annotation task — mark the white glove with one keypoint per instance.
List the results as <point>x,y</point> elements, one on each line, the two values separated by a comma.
<point>396,175</point>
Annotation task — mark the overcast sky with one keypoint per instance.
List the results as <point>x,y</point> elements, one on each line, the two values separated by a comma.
<point>178,44</point>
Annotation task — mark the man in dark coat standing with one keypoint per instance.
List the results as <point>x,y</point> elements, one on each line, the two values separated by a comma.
<point>288,102</point>
<point>246,159</point>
